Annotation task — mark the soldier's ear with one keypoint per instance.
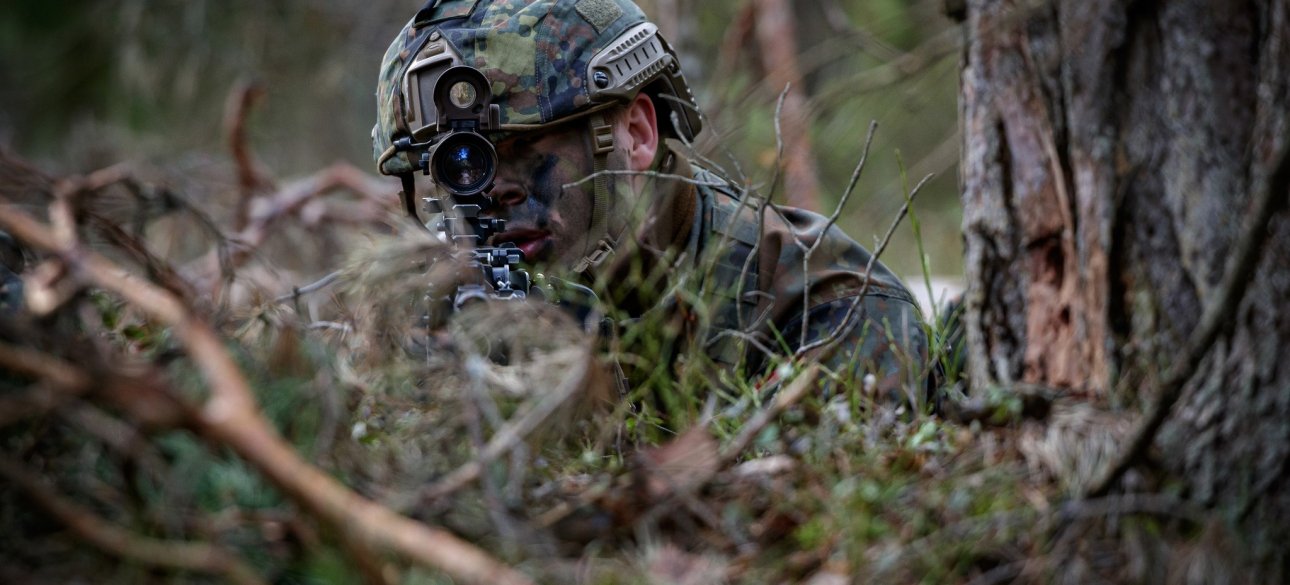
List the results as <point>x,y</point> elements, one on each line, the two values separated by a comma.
<point>638,131</point>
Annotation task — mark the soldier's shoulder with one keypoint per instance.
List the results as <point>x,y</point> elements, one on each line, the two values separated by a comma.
<point>836,255</point>
<point>837,264</point>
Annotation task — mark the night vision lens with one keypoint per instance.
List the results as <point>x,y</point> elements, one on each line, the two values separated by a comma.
<point>465,164</point>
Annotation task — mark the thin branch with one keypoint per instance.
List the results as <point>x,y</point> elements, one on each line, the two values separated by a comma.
<point>249,178</point>
<point>851,185</point>
<point>857,302</point>
<point>773,28</point>
<point>300,291</point>
<point>709,262</point>
<point>184,556</point>
<point>933,51</point>
<point>650,174</point>
<point>271,209</point>
<point>231,417</point>
<point>833,219</point>
<point>158,269</point>
<point>1218,313</point>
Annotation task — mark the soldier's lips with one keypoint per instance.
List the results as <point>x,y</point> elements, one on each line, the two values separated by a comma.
<point>532,242</point>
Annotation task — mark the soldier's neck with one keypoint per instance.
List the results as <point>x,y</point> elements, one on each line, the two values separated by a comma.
<point>642,268</point>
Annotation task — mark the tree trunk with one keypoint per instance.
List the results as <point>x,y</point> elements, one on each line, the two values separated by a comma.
<point>1111,152</point>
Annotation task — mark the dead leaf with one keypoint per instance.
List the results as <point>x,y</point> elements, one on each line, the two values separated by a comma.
<point>681,465</point>
<point>669,565</point>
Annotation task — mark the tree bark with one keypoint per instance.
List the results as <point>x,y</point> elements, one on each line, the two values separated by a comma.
<point>1111,151</point>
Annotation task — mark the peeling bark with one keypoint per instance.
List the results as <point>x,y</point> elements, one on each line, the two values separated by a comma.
<point>1110,153</point>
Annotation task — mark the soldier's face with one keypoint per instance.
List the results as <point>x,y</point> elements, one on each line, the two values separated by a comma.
<point>541,194</point>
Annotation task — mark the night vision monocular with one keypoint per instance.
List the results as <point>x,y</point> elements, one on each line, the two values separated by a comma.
<point>456,105</point>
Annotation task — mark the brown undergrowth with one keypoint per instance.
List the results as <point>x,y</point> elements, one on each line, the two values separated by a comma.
<point>188,398</point>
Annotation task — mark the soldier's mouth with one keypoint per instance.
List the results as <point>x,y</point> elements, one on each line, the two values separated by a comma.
<point>534,243</point>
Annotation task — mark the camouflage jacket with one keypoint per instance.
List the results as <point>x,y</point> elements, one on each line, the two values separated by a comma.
<point>756,296</point>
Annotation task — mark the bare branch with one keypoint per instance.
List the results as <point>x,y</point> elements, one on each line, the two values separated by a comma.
<point>271,209</point>
<point>774,29</point>
<point>231,417</point>
<point>833,219</point>
<point>158,269</point>
<point>249,178</point>
<point>858,301</point>
<point>311,288</point>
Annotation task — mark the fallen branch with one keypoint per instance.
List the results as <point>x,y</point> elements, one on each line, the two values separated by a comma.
<point>206,272</point>
<point>1218,313</point>
<point>184,556</point>
<point>232,418</point>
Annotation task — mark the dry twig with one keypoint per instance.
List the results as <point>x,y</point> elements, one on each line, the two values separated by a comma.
<point>249,177</point>
<point>833,219</point>
<point>232,418</point>
<point>858,302</point>
<point>269,210</point>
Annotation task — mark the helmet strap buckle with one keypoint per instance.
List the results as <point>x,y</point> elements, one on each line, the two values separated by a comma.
<point>602,136</point>
<point>602,143</point>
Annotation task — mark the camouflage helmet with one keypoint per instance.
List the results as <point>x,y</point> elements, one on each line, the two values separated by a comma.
<point>546,61</point>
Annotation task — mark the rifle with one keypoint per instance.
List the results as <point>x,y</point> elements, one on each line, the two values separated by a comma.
<point>463,164</point>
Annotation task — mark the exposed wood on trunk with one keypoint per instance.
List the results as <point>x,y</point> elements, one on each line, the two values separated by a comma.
<point>1018,191</point>
<point>1110,154</point>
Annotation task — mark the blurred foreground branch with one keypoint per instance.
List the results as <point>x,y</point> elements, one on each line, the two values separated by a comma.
<point>232,418</point>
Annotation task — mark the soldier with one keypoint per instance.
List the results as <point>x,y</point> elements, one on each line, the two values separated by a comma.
<point>591,181</point>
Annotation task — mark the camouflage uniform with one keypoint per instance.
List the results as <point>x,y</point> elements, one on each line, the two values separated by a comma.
<point>537,56</point>
<point>759,295</point>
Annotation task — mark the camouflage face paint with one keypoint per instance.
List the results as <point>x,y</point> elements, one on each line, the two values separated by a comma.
<point>541,195</point>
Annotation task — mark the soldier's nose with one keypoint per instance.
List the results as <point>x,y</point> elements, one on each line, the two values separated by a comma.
<point>507,194</point>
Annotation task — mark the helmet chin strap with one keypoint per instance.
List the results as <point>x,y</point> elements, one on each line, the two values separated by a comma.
<point>600,242</point>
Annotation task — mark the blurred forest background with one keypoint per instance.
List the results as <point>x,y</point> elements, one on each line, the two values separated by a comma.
<point>85,84</point>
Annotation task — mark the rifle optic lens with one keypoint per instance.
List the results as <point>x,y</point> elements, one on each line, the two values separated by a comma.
<point>465,164</point>
<point>463,95</point>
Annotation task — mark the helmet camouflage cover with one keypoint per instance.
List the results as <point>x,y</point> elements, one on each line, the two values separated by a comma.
<point>538,56</point>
